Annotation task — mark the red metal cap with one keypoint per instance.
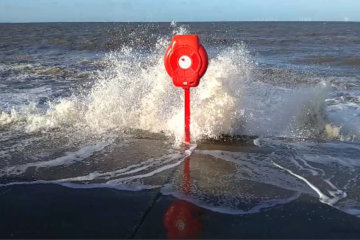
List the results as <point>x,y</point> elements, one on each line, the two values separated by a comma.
<point>186,60</point>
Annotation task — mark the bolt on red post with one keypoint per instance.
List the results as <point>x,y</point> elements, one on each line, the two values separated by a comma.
<point>186,62</point>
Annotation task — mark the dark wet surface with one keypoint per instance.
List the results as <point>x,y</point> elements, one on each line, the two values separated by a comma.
<point>53,211</point>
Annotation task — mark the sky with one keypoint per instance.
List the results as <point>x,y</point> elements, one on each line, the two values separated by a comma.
<point>177,10</point>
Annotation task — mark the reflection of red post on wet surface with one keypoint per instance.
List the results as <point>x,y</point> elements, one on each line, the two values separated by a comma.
<point>182,219</point>
<point>186,187</point>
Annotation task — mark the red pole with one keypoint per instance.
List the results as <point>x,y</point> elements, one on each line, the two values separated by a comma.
<point>187,115</point>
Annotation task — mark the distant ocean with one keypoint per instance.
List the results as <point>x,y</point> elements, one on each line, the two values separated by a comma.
<point>90,105</point>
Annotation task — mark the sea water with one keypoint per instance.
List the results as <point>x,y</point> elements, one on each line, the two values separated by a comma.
<point>90,105</point>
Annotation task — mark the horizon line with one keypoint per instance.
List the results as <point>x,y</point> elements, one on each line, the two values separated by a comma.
<point>205,21</point>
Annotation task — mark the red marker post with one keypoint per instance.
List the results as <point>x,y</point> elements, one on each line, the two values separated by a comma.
<point>186,62</point>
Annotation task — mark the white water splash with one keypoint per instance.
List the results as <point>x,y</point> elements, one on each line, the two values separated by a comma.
<point>134,91</point>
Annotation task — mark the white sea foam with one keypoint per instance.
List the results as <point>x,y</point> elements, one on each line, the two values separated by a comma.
<point>159,165</point>
<point>335,176</point>
<point>120,179</point>
<point>298,175</point>
<point>125,187</point>
<point>345,120</point>
<point>260,206</point>
<point>322,197</point>
<point>69,158</point>
<point>257,167</point>
<point>226,191</point>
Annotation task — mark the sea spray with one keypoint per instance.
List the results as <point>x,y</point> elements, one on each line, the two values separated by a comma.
<point>134,92</point>
<point>124,96</point>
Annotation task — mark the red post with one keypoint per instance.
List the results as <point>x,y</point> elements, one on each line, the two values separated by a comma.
<point>186,62</point>
<point>187,115</point>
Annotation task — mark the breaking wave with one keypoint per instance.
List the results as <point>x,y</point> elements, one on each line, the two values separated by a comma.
<point>133,91</point>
